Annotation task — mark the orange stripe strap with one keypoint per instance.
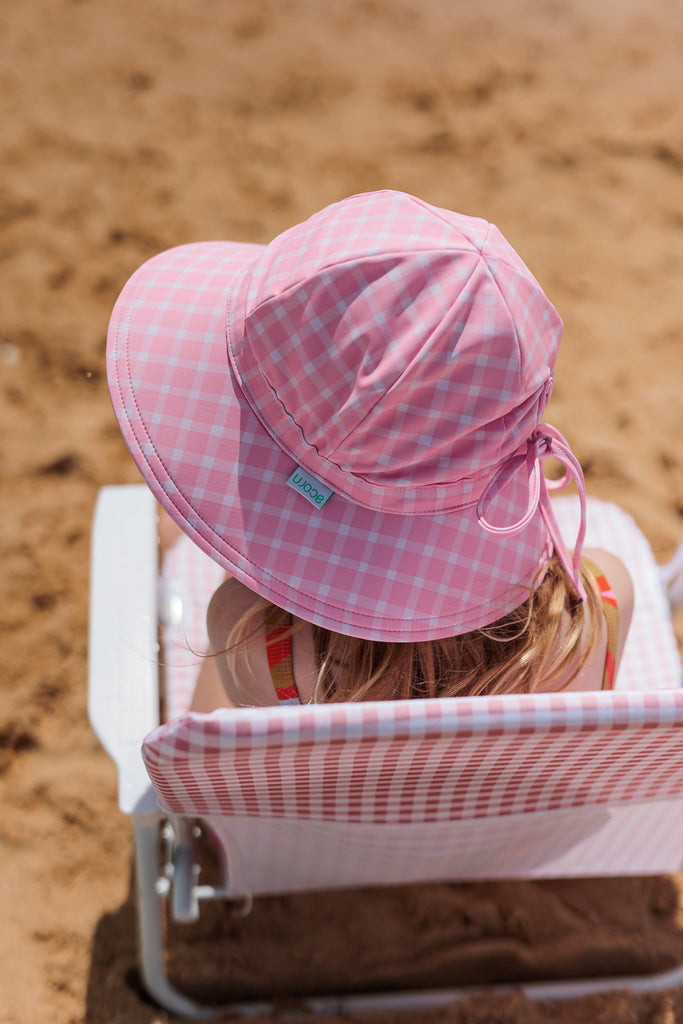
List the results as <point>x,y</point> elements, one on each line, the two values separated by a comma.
<point>279,654</point>
<point>610,611</point>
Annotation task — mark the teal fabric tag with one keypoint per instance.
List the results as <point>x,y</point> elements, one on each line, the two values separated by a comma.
<point>310,488</point>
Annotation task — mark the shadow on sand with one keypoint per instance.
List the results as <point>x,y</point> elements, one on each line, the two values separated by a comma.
<point>403,937</point>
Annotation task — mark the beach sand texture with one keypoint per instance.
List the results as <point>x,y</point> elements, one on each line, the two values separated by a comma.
<point>128,127</point>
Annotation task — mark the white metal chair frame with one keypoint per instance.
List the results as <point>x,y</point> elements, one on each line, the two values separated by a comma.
<point>124,708</point>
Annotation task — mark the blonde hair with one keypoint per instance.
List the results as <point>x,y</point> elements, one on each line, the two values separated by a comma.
<point>536,642</point>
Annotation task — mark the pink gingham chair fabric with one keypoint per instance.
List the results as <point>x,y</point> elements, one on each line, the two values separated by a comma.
<point>533,786</point>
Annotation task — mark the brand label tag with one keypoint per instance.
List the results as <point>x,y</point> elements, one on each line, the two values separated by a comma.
<point>310,488</point>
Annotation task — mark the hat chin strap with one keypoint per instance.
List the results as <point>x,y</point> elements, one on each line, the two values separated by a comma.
<point>544,442</point>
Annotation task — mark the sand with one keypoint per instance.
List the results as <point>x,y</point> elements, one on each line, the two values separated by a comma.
<point>128,127</point>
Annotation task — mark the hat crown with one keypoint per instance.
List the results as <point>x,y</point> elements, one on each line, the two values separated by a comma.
<point>398,351</point>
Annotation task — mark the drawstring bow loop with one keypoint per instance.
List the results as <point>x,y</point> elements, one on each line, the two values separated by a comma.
<point>545,442</point>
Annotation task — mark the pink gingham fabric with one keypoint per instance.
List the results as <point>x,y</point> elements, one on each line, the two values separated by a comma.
<point>459,788</point>
<point>398,354</point>
<point>423,761</point>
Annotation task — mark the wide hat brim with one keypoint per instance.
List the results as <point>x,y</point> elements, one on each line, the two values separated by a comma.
<point>213,465</point>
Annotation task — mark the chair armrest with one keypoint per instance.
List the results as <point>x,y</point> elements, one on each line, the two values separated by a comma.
<point>123,673</point>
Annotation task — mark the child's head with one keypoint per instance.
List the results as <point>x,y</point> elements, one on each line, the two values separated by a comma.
<point>348,418</point>
<point>532,646</point>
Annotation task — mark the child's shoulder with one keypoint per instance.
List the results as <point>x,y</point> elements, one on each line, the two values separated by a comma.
<point>616,574</point>
<point>620,585</point>
<point>229,603</point>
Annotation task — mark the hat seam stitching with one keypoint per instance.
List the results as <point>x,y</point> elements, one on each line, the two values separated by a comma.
<point>389,390</point>
<point>409,491</point>
<point>125,325</point>
<point>281,588</point>
<point>492,275</point>
<point>438,215</point>
<point>255,404</point>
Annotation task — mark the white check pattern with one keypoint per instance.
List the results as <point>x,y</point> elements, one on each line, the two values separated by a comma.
<point>542,785</point>
<point>432,344</point>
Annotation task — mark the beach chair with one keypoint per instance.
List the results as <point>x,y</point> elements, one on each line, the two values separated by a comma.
<point>319,797</point>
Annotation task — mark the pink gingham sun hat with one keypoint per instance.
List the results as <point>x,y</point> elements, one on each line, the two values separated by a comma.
<point>347,419</point>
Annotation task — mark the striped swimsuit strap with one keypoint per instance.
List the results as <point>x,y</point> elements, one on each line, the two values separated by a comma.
<point>279,654</point>
<point>610,611</point>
